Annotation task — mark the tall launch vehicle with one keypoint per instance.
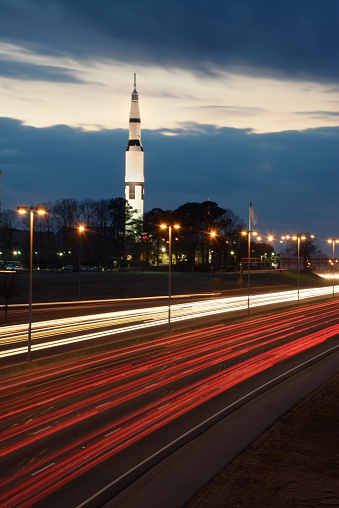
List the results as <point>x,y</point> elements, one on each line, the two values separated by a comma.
<point>134,159</point>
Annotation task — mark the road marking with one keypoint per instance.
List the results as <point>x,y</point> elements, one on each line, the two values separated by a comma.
<point>41,430</point>
<point>43,469</point>
<point>103,404</point>
<point>112,432</point>
<point>224,410</point>
<point>164,405</point>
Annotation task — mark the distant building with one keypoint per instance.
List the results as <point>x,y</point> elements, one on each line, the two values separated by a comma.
<point>320,263</point>
<point>134,159</point>
<point>288,262</point>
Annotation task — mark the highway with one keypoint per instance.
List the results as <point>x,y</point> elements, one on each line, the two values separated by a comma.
<point>81,328</point>
<point>77,433</point>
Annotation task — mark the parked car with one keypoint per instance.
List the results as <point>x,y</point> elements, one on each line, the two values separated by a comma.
<point>68,268</point>
<point>14,266</point>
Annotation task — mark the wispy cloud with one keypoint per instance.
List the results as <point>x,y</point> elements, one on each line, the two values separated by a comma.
<point>32,72</point>
<point>295,40</point>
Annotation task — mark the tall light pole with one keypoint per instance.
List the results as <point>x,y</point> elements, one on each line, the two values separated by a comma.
<point>298,238</point>
<point>248,233</point>
<point>81,229</point>
<point>60,254</point>
<point>40,211</point>
<point>212,235</point>
<point>165,226</point>
<point>0,197</point>
<point>333,242</point>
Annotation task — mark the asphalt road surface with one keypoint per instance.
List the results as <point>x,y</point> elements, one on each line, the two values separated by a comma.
<point>77,434</point>
<point>176,480</point>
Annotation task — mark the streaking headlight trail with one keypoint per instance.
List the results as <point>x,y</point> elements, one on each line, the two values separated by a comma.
<point>60,332</point>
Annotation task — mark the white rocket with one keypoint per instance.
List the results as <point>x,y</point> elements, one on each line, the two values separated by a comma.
<point>134,159</point>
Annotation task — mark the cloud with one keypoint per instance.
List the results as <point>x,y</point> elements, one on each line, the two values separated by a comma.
<point>28,71</point>
<point>289,40</point>
<point>319,114</point>
<point>291,177</point>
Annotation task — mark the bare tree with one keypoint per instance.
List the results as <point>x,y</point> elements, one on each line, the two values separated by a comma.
<point>102,222</point>
<point>67,215</point>
<point>9,223</point>
<point>307,244</point>
<point>8,288</point>
<point>87,209</point>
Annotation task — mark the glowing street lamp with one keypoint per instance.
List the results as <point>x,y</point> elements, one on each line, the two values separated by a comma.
<point>212,235</point>
<point>60,254</point>
<point>165,226</point>
<point>333,242</point>
<point>81,229</point>
<point>37,260</point>
<point>259,238</point>
<point>40,211</point>
<point>298,238</point>
<point>248,233</point>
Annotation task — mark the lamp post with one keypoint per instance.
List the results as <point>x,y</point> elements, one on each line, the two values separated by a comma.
<point>81,229</point>
<point>212,235</point>
<point>298,238</point>
<point>333,242</point>
<point>60,254</point>
<point>165,226</point>
<point>248,233</point>
<point>40,211</point>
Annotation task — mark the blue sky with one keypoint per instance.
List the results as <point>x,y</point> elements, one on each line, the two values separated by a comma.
<point>238,101</point>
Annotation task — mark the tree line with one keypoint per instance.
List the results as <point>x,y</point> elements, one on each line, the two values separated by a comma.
<point>112,236</point>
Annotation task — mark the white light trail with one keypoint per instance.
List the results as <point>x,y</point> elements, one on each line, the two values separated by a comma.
<point>145,318</point>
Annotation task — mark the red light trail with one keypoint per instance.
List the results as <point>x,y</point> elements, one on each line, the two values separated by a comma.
<point>178,373</point>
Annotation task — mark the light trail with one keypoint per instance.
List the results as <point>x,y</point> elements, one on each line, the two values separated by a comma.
<point>131,320</point>
<point>183,362</point>
<point>43,476</point>
<point>329,275</point>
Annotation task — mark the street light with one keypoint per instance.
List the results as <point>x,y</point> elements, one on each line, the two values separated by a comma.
<point>60,254</point>
<point>40,211</point>
<point>165,226</point>
<point>333,242</point>
<point>37,260</point>
<point>298,238</point>
<point>248,233</point>
<point>81,229</point>
<point>212,235</point>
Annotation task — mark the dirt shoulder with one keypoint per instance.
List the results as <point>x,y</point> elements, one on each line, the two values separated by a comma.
<point>295,463</point>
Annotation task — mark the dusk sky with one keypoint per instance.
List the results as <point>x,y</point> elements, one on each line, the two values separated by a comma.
<point>238,99</point>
